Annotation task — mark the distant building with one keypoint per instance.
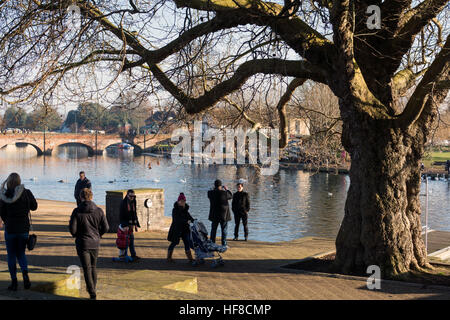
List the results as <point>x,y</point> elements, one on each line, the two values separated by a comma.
<point>159,117</point>
<point>298,127</point>
<point>159,120</point>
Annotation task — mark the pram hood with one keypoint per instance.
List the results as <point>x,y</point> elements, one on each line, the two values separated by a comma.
<point>200,239</point>
<point>200,228</point>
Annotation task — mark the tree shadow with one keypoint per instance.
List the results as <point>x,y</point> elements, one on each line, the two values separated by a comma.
<point>432,292</point>
<point>31,294</point>
<point>160,264</point>
<point>50,228</point>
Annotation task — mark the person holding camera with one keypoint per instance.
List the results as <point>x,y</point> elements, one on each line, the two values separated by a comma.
<point>219,211</point>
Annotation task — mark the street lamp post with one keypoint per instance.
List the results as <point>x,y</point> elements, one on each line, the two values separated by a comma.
<point>145,131</point>
<point>426,216</point>
<point>44,141</point>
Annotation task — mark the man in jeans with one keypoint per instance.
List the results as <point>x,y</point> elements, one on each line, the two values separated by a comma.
<point>240,206</point>
<point>219,211</point>
<point>87,224</point>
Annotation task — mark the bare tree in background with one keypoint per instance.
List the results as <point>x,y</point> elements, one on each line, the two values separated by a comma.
<point>440,137</point>
<point>319,107</point>
<point>128,43</point>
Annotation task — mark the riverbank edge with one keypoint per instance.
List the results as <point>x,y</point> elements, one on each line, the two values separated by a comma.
<point>432,172</point>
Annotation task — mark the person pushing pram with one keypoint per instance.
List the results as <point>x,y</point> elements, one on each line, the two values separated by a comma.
<point>180,228</point>
<point>194,235</point>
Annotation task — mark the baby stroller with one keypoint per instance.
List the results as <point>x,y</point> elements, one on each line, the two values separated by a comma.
<point>204,247</point>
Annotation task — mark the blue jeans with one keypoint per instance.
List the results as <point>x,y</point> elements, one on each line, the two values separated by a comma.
<point>223,227</point>
<point>16,243</point>
<point>131,246</point>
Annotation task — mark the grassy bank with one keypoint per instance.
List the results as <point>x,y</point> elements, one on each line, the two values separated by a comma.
<point>435,156</point>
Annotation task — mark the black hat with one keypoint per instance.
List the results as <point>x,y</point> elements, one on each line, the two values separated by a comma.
<point>217,183</point>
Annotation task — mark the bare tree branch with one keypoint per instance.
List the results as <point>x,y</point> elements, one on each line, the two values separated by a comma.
<point>300,69</point>
<point>422,98</point>
<point>281,108</point>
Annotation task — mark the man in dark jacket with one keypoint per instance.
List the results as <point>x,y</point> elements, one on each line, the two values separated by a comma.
<point>87,224</point>
<point>240,206</point>
<point>128,219</point>
<point>82,183</point>
<point>219,211</point>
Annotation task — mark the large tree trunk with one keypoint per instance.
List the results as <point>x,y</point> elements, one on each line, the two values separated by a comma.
<point>382,224</point>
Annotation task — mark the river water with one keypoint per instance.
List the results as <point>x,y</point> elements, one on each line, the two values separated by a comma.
<point>285,206</point>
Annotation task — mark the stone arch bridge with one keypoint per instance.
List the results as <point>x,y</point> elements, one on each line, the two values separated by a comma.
<point>52,140</point>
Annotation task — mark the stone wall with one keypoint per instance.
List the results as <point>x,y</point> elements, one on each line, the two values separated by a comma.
<point>149,207</point>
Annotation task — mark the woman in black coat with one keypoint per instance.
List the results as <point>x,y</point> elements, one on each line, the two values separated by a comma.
<point>15,205</point>
<point>129,219</point>
<point>180,228</point>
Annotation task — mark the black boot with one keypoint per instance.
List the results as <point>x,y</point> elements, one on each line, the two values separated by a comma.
<point>26,280</point>
<point>13,286</point>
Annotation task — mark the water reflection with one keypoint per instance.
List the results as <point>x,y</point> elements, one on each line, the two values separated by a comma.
<point>285,206</point>
<point>20,151</point>
<point>71,152</point>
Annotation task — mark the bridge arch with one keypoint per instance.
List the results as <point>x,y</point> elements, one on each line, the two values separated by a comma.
<point>137,149</point>
<point>18,144</point>
<point>39,150</point>
<point>22,143</point>
<point>91,151</point>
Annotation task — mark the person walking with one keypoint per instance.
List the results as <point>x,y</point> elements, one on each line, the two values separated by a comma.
<point>180,228</point>
<point>129,220</point>
<point>15,205</point>
<point>88,224</point>
<point>82,183</point>
<point>240,206</point>
<point>219,211</point>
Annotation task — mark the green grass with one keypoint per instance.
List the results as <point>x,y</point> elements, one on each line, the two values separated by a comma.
<point>435,156</point>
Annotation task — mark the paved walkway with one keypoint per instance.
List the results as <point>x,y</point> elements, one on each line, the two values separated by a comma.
<point>251,270</point>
